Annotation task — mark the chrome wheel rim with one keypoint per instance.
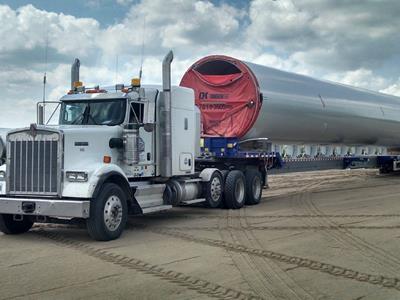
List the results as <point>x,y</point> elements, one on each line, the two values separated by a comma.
<point>215,189</point>
<point>113,213</point>
<point>256,187</point>
<point>239,190</point>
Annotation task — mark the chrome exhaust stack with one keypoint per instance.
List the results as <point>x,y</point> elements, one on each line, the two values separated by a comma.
<point>75,72</point>
<point>165,118</point>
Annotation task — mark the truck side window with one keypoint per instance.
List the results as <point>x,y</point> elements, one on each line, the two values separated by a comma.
<point>136,113</point>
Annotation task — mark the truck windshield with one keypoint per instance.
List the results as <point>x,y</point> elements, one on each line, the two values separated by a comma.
<point>93,112</point>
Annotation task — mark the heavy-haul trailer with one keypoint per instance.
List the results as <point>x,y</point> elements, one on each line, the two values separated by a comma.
<point>118,152</point>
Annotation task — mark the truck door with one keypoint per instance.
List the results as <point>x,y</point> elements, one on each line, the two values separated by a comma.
<point>146,166</point>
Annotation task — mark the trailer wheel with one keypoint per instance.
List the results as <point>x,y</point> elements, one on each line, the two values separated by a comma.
<point>253,187</point>
<point>9,226</point>
<point>213,190</point>
<point>235,189</point>
<point>108,213</point>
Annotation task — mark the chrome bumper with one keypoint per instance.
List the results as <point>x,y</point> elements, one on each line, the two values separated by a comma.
<point>45,207</point>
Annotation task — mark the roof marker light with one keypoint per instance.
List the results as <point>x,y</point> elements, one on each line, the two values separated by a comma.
<point>77,84</point>
<point>135,82</point>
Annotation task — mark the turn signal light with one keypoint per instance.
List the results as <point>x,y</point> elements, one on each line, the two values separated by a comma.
<point>106,159</point>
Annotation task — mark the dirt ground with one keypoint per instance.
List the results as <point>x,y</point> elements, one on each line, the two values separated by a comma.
<point>315,235</point>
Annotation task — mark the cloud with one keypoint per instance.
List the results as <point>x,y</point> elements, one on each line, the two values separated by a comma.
<point>26,31</point>
<point>187,25</point>
<point>345,41</point>
<point>393,89</point>
<point>361,78</point>
<point>336,35</point>
<point>124,2</point>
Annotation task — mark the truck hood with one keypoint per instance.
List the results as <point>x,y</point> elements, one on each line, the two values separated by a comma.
<point>87,145</point>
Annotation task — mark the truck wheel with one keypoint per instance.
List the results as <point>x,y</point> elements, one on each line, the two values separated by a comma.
<point>9,226</point>
<point>235,189</point>
<point>213,190</point>
<point>224,174</point>
<point>108,213</point>
<point>253,187</point>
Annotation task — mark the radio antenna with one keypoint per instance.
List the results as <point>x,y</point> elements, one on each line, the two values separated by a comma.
<point>116,69</point>
<point>142,52</point>
<point>45,71</point>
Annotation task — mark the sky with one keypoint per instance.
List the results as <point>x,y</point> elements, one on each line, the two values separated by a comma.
<point>353,42</point>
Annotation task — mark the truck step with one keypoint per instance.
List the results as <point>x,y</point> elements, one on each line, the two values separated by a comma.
<point>153,209</point>
<point>188,202</point>
<point>149,196</point>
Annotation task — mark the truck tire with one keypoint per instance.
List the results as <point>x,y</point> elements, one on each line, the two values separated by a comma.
<point>254,184</point>
<point>108,213</point>
<point>224,174</point>
<point>235,190</point>
<point>9,226</point>
<point>214,190</point>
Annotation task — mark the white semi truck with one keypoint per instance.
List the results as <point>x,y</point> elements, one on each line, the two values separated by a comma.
<point>117,152</point>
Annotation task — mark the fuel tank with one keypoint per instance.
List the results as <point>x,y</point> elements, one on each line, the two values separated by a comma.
<point>250,101</point>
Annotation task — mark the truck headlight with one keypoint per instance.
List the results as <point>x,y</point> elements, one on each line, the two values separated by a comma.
<point>77,176</point>
<point>2,176</point>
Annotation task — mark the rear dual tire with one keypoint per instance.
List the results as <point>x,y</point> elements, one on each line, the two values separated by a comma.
<point>235,189</point>
<point>242,188</point>
<point>254,185</point>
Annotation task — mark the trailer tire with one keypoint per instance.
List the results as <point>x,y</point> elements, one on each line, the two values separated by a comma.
<point>235,190</point>
<point>214,190</point>
<point>9,226</point>
<point>108,213</point>
<point>253,187</point>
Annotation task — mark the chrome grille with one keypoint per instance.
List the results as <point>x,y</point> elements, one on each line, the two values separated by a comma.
<point>33,163</point>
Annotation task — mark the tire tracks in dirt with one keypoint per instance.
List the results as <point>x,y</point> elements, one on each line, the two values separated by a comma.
<point>277,228</point>
<point>201,286</point>
<point>310,264</point>
<point>264,276</point>
<point>288,216</point>
<point>258,282</point>
<point>343,235</point>
<point>283,280</point>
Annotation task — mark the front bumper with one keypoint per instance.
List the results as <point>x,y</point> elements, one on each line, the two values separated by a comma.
<point>45,207</point>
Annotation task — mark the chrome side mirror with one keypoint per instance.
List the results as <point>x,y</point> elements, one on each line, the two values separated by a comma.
<point>40,113</point>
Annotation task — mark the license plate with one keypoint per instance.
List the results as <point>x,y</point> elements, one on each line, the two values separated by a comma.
<point>2,188</point>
